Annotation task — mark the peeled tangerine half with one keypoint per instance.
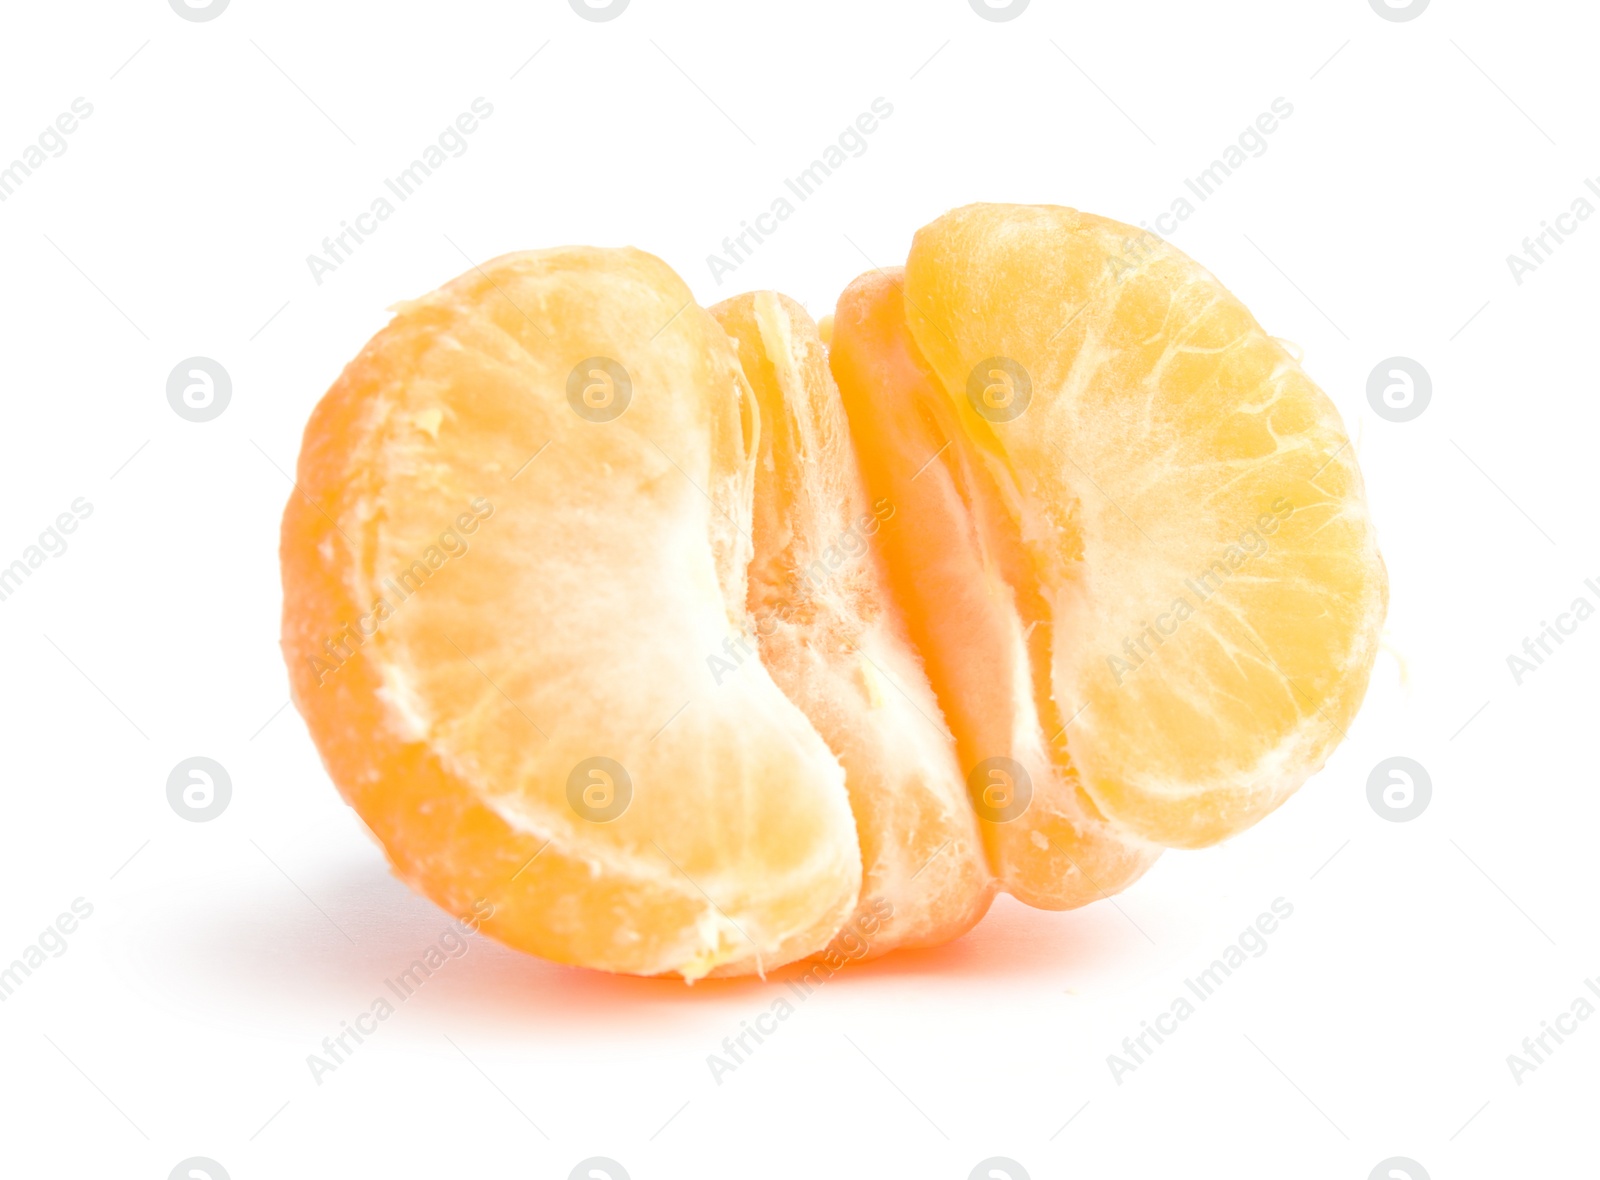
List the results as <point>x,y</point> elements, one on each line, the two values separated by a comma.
<point>670,640</point>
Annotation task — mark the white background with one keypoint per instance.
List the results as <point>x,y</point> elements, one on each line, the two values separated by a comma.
<point>221,153</point>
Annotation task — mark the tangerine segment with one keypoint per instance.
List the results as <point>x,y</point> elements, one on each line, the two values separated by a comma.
<point>975,610</point>
<point>1189,497</point>
<point>522,528</point>
<point>829,636</point>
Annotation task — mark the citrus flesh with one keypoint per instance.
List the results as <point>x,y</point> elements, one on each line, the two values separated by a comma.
<point>575,625</point>
<point>1189,497</point>
<point>831,639</point>
<point>973,604</point>
<point>677,642</point>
